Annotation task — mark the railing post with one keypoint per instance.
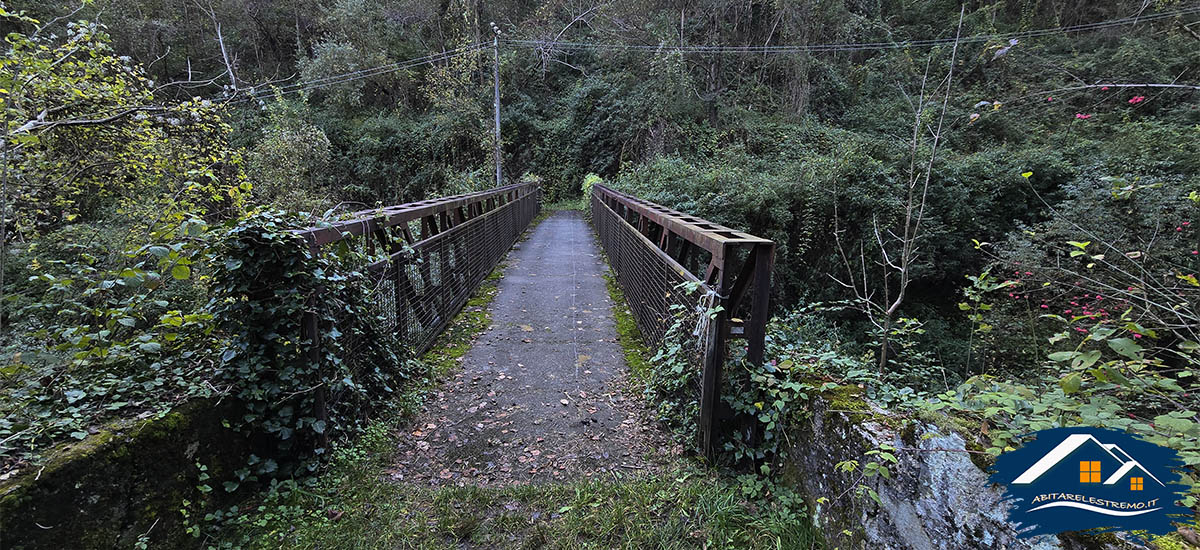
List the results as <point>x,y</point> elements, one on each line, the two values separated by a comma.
<point>714,359</point>
<point>763,257</point>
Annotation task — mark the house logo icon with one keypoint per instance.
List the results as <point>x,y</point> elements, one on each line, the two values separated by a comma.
<point>1071,479</point>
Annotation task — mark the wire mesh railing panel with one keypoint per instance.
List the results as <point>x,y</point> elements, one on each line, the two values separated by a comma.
<point>421,288</point>
<point>653,283</point>
<point>415,292</point>
<point>676,310</point>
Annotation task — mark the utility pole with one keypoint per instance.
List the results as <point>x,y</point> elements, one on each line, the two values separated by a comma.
<point>496,102</point>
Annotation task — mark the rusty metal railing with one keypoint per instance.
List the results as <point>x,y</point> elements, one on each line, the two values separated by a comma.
<point>438,252</point>
<point>654,251</point>
<point>435,254</point>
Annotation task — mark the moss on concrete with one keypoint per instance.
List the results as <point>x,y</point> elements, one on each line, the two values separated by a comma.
<point>108,489</point>
<point>455,341</point>
<point>628,336</point>
<point>851,400</point>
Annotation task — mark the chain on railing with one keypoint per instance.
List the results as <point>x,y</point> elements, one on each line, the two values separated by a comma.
<point>437,253</point>
<point>655,251</point>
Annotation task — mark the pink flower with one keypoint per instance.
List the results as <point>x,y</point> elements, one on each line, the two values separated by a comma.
<point>1044,306</point>
<point>1137,99</point>
<point>1104,88</point>
<point>1067,311</point>
<point>1029,273</point>
<point>1195,252</point>
<point>1082,116</point>
<point>1049,98</point>
<point>1136,335</point>
<point>1179,229</point>
<point>1185,224</point>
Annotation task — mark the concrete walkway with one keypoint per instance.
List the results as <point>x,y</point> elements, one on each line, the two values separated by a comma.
<point>543,393</point>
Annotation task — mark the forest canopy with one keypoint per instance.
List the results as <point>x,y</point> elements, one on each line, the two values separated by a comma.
<point>989,207</point>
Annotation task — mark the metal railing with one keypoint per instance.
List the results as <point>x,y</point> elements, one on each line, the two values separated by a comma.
<point>655,251</point>
<point>437,252</point>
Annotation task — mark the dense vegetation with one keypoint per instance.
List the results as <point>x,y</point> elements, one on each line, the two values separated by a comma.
<point>1006,226</point>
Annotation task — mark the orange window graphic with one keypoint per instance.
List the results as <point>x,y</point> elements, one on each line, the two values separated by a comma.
<point>1135,484</point>
<point>1089,471</point>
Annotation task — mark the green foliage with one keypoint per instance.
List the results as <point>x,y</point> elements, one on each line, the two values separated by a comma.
<point>802,350</point>
<point>112,202</point>
<point>82,142</point>
<point>1103,378</point>
<point>289,162</point>
<point>589,181</point>
<point>673,383</point>
<point>267,278</point>
<point>349,503</point>
<point>110,199</point>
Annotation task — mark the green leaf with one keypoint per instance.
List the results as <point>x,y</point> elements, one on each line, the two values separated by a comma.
<point>1070,383</point>
<point>1086,359</point>
<point>181,272</point>
<point>1060,356</point>
<point>1126,347</point>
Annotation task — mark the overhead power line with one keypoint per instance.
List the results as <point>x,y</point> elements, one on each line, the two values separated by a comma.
<point>260,93</point>
<point>848,46</point>
<point>354,75</point>
<point>253,94</point>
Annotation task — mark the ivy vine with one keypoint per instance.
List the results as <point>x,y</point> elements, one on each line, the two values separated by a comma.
<point>265,282</point>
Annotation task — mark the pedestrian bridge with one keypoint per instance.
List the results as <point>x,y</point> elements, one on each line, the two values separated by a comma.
<point>702,284</point>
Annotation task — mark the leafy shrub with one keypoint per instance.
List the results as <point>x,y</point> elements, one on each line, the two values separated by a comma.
<point>263,287</point>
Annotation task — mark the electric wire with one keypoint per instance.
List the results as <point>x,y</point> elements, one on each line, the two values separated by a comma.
<point>255,93</point>
<point>849,46</point>
<point>260,95</point>
<point>359,74</point>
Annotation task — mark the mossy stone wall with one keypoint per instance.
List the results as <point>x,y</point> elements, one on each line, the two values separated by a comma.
<point>127,480</point>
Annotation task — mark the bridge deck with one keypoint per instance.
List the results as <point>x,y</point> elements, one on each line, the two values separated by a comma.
<point>502,418</point>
